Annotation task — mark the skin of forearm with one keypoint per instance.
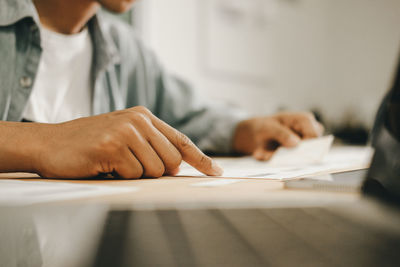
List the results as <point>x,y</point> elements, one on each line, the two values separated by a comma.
<point>19,146</point>
<point>131,143</point>
<point>134,143</point>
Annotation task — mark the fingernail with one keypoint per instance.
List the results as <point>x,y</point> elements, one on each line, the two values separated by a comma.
<point>217,170</point>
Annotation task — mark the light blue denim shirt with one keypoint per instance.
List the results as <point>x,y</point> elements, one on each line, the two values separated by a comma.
<point>124,74</point>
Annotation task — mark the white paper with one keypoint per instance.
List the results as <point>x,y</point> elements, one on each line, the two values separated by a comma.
<point>15,192</point>
<point>344,158</point>
<point>309,151</point>
<point>216,182</point>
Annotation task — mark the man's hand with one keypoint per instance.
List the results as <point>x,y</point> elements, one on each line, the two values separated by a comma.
<point>132,143</point>
<point>260,137</point>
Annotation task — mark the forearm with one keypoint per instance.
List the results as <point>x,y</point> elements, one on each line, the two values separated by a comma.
<point>208,124</point>
<point>19,146</point>
<point>130,143</point>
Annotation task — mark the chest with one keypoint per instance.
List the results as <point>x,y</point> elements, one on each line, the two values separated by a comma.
<point>20,55</point>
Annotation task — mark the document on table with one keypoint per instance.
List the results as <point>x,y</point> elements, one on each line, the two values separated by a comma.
<point>307,152</point>
<point>216,182</point>
<point>17,193</point>
<point>301,163</point>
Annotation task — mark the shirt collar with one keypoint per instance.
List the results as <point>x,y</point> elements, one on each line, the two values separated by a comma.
<point>106,51</point>
<point>12,11</point>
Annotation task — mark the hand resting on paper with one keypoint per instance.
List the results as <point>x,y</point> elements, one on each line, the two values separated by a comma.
<point>261,136</point>
<point>131,143</point>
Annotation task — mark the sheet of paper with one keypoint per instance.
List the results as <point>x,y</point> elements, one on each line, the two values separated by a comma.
<point>307,152</point>
<point>338,159</point>
<point>15,192</point>
<point>216,182</point>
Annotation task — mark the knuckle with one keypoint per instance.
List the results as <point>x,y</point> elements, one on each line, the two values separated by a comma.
<point>142,109</point>
<point>308,116</point>
<point>137,117</point>
<point>183,141</point>
<point>124,126</point>
<point>205,162</point>
<point>128,132</point>
<point>108,143</point>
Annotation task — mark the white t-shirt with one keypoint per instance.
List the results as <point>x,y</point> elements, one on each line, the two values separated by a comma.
<point>62,89</point>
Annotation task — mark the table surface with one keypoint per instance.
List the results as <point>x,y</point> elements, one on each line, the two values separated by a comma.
<point>179,192</point>
<point>53,224</point>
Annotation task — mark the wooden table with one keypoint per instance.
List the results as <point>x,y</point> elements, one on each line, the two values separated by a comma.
<point>82,220</point>
<point>179,192</point>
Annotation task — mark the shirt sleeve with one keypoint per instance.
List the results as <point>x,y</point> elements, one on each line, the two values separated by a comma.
<point>209,124</point>
<point>140,79</point>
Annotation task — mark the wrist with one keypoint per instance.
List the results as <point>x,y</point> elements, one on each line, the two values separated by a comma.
<point>21,146</point>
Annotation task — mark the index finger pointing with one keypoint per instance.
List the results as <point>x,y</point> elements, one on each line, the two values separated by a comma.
<point>193,155</point>
<point>189,151</point>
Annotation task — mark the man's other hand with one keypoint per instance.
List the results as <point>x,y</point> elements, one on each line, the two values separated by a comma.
<point>261,136</point>
<point>131,143</point>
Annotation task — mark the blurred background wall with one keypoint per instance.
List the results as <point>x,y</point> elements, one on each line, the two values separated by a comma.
<point>336,57</point>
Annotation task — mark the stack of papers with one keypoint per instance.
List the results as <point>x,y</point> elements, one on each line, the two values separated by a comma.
<point>311,157</point>
<point>307,152</point>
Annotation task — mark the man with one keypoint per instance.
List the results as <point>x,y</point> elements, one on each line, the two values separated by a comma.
<point>101,103</point>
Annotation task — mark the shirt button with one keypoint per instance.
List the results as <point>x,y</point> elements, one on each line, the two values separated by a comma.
<point>34,27</point>
<point>25,81</point>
